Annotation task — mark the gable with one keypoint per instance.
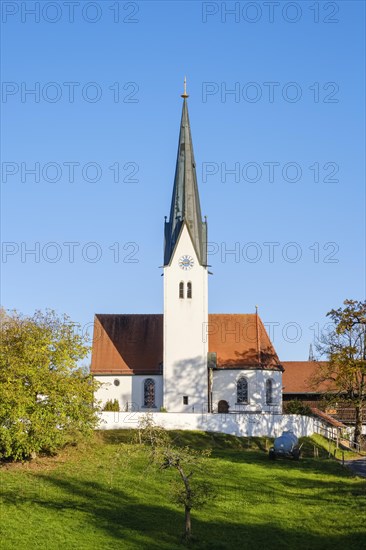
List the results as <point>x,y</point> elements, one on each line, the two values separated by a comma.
<point>184,244</point>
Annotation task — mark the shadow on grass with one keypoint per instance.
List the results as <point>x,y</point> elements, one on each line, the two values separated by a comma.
<point>113,511</point>
<point>195,439</point>
<point>246,450</point>
<point>154,526</point>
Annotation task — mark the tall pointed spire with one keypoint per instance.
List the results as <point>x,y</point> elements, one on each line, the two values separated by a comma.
<point>311,353</point>
<point>185,206</point>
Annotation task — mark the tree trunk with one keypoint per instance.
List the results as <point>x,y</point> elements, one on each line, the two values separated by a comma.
<point>187,508</point>
<point>358,426</point>
<point>188,529</point>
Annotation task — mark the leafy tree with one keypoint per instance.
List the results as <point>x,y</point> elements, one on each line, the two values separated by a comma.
<point>345,348</point>
<point>46,400</point>
<point>185,461</point>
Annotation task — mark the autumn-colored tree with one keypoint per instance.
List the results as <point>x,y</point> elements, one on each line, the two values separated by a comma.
<point>344,346</point>
<point>46,400</point>
<point>187,490</point>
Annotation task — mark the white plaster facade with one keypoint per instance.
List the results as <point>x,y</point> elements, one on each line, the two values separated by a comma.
<point>225,388</point>
<point>185,349</point>
<point>129,391</point>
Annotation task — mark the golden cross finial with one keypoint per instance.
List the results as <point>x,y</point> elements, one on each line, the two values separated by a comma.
<point>184,94</point>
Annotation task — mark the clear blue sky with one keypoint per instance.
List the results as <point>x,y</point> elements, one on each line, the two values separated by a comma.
<point>318,59</point>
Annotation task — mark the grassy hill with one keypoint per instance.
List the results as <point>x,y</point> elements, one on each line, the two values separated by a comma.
<point>102,495</point>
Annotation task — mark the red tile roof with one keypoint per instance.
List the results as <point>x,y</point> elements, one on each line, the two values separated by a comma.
<point>298,377</point>
<point>233,336</point>
<point>127,344</point>
<point>133,344</point>
<point>328,419</point>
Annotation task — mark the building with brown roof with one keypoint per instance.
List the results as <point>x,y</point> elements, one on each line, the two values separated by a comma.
<point>300,383</point>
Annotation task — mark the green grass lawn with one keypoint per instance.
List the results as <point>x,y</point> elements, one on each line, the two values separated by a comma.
<point>103,496</point>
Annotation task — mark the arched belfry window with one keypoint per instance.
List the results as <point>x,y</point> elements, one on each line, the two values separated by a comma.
<point>149,393</point>
<point>242,390</point>
<point>269,392</point>
<point>189,290</point>
<point>181,290</point>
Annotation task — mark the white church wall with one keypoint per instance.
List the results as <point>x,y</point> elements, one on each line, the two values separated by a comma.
<point>129,391</point>
<point>224,387</point>
<point>185,347</point>
<point>110,391</point>
<point>239,424</point>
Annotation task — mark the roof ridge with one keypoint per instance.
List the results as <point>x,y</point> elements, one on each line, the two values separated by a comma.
<point>233,314</point>
<point>129,314</point>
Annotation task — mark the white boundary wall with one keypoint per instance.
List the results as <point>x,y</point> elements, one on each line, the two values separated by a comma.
<point>240,424</point>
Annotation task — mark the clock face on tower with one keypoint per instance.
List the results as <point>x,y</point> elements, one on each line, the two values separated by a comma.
<point>186,262</point>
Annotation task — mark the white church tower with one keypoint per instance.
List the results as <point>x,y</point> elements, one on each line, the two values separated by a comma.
<point>185,286</point>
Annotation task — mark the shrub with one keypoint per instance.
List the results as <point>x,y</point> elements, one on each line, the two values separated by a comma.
<point>112,405</point>
<point>297,407</point>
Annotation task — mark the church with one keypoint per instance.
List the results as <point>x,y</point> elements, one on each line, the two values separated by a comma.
<point>186,360</point>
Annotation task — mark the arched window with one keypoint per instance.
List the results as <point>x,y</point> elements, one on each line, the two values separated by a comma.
<point>149,393</point>
<point>242,390</point>
<point>269,388</point>
<point>181,290</point>
<point>189,290</point>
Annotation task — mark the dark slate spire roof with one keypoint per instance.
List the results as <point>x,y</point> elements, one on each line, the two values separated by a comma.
<point>185,207</point>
